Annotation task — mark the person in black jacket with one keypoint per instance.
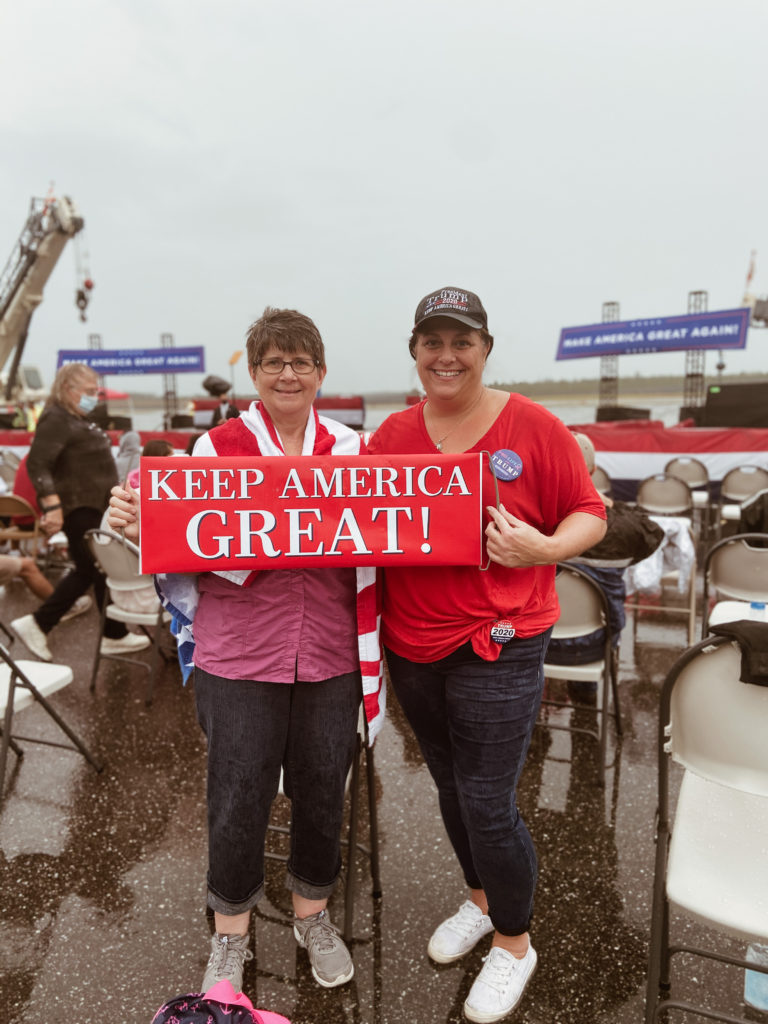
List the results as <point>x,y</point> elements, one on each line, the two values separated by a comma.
<point>225,410</point>
<point>72,470</point>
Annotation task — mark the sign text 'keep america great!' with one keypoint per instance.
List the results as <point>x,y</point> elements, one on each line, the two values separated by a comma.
<point>203,514</point>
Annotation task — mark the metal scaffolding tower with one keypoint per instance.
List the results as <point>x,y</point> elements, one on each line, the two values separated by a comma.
<point>694,390</point>
<point>608,393</point>
<point>94,342</point>
<point>170,398</point>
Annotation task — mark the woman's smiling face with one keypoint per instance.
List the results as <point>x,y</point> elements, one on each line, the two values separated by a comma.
<point>287,392</point>
<point>450,358</point>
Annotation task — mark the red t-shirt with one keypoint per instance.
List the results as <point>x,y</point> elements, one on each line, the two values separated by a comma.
<point>429,612</point>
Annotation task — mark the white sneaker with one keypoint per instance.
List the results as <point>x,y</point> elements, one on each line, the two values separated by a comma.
<point>32,636</point>
<point>458,934</point>
<point>126,644</point>
<point>81,605</point>
<point>499,986</point>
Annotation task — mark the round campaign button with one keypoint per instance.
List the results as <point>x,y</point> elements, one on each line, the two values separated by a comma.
<point>506,464</point>
<point>502,631</point>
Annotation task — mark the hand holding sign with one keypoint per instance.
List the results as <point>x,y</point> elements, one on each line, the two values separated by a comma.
<point>513,543</point>
<point>124,511</point>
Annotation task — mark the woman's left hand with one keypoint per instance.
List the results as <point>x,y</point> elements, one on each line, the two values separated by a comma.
<point>514,543</point>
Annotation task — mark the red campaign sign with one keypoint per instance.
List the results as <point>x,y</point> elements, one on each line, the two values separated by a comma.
<point>203,514</point>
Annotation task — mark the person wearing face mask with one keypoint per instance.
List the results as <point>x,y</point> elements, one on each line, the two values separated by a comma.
<point>72,470</point>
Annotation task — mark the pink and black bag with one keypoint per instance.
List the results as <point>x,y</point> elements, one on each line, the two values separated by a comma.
<point>219,1005</point>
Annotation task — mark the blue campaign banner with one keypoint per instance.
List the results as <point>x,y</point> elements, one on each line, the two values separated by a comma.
<point>724,328</point>
<point>137,360</point>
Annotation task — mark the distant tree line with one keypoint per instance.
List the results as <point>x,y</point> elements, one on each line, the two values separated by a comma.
<point>628,385</point>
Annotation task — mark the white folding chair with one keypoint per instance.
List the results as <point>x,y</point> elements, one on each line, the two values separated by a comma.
<point>736,487</point>
<point>118,559</point>
<point>711,852</point>
<point>583,610</point>
<point>664,495</point>
<point>736,573</point>
<point>696,475</point>
<point>601,480</point>
<point>675,562</point>
<point>23,682</point>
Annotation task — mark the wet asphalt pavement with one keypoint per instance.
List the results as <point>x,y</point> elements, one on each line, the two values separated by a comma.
<point>103,875</point>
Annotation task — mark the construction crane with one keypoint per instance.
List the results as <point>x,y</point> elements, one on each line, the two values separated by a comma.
<point>757,305</point>
<point>49,226</point>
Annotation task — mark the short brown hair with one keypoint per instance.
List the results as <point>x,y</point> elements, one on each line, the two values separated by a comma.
<point>286,329</point>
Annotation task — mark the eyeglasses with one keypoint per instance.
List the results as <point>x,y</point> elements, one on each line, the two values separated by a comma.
<point>273,365</point>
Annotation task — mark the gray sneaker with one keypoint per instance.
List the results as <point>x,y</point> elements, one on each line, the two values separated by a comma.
<point>228,955</point>
<point>331,963</point>
<point>32,636</point>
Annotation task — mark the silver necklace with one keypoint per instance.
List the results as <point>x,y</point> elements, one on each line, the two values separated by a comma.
<point>464,418</point>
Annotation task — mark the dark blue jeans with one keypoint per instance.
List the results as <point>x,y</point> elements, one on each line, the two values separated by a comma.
<point>473,720</point>
<point>253,728</point>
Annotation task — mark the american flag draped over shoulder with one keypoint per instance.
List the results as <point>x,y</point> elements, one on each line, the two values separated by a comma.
<point>253,433</point>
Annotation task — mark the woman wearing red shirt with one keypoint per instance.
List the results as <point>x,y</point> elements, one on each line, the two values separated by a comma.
<point>465,647</point>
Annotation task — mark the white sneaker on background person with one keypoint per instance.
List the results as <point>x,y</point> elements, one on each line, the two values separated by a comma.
<point>125,644</point>
<point>80,606</point>
<point>32,636</point>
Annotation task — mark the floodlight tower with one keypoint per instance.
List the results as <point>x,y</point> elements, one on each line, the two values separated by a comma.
<point>608,393</point>
<point>94,343</point>
<point>170,398</point>
<point>693,385</point>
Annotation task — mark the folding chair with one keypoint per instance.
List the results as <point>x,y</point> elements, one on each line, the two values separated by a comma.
<point>118,559</point>
<point>13,505</point>
<point>710,853</point>
<point>10,458</point>
<point>22,683</point>
<point>664,495</point>
<point>677,548</point>
<point>736,570</point>
<point>696,475</point>
<point>364,752</point>
<point>583,610</point>
<point>736,486</point>
<point>602,481</point>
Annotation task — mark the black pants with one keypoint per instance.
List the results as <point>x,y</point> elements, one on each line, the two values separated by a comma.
<point>84,574</point>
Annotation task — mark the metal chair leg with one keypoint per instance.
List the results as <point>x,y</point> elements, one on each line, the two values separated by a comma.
<point>372,852</point>
<point>349,889</point>
<point>373,817</point>
<point>97,654</point>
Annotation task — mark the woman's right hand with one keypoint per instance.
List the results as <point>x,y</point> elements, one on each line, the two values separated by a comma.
<point>124,511</point>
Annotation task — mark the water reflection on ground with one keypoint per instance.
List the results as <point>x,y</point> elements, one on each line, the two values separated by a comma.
<point>102,876</point>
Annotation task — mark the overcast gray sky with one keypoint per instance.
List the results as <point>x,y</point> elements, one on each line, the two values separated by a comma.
<point>346,159</point>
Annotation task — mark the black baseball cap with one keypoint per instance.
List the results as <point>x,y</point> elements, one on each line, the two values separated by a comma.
<point>454,303</point>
